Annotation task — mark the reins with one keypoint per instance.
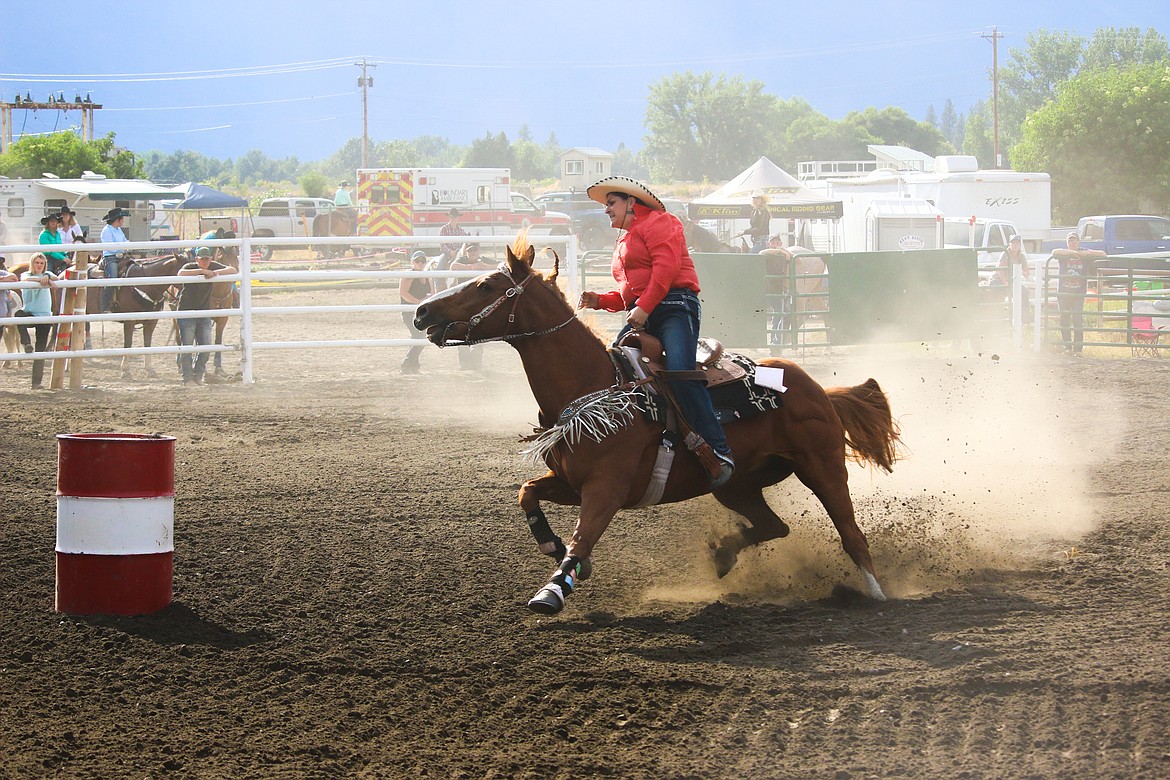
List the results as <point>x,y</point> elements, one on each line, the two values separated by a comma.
<point>514,292</point>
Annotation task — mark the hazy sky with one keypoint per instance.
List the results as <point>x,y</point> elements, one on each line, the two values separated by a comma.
<point>222,78</point>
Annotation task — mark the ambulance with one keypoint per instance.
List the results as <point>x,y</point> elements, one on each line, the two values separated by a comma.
<point>418,201</point>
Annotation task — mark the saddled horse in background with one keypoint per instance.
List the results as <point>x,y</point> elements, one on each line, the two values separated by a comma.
<point>699,239</point>
<point>142,298</point>
<point>339,222</point>
<point>609,465</point>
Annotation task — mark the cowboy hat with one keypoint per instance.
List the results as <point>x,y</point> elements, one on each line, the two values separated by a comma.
<point>66,210</point>
<point>454,212</point>
<point>114,214</point>
<point>54,217</point>
<point>627,186</point>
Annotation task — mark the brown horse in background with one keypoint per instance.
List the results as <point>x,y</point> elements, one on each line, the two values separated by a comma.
<point>811,435</point>
<point>142,298</point>
<point>339,222</point>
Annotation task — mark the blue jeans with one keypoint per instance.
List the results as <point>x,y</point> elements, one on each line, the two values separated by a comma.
<point>675,322</point>
<point>194,330</point>
<point>110,271</point>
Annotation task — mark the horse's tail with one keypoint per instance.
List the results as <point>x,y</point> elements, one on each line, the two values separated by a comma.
<point>871,435</point>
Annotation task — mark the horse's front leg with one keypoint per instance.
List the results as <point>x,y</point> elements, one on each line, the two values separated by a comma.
<point>220,326</point>
<point>599,504</point>
<point>552,488</point>
<point>127,343</point>
<point>147,334</point>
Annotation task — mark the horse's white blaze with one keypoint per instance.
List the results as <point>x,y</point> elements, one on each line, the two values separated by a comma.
<point>871,585</point>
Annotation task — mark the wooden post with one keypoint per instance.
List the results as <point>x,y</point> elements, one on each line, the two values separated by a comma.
<point>64,332</point>
<point>81,265</point>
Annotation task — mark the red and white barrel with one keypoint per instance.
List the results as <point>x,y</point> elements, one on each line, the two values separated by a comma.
<point>115,522</point>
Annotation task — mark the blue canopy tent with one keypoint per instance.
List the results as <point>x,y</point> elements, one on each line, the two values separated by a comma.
<point>201,197</point>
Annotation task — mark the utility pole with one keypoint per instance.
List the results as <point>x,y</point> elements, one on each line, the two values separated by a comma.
<point>994,38</point>
<point>365,82</point>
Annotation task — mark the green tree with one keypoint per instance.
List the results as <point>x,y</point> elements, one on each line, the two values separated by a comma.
<point>978,135</point>
<point>184,165</point>
<point>1032,75</point>
<point>951,125</point>
<point>1105,140</point>
<point>931,116</point>
<point>315,185</point>
<point>491,151</point>
<point>816,137</point>
<point>894,127</point>
<point>707,126</point>
<point>629,163</point>
<point>65,155</point>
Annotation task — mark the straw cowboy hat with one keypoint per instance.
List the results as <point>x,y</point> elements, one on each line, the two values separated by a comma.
<point>627,186</point>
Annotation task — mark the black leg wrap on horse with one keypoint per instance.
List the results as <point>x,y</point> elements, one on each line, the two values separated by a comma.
<point>567,574</point>
<point>538,524</point>
<point>550,544</point>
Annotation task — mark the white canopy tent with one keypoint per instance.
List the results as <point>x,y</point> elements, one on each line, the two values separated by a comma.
<point>787,197</point>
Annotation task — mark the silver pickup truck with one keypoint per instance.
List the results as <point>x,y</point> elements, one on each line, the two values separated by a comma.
<point>276,218</point>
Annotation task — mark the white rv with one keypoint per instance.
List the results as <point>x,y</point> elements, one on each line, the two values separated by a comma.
<point>876,222</point>
<point>23,202</point>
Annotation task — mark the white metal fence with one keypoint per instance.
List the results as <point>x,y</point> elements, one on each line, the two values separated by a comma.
<point>246,276</point>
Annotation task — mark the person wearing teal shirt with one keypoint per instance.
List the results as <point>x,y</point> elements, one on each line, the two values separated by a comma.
<point>341,197</point>
<point>51,235</point>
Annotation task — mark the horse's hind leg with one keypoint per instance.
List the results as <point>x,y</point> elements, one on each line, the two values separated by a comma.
<point>826,476</point>
<point>765,525</point>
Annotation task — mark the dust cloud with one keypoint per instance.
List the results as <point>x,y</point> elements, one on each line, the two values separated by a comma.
<point>993,477</point>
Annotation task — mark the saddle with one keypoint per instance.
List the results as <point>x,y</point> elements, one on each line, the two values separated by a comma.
<point>645,353</point>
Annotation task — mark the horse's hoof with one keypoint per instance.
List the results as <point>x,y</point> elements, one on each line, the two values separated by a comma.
<point>127,375</point>
<point>586,569</point>
<point>725,559</point>
<point>548,600</point>
<point>152,375</point>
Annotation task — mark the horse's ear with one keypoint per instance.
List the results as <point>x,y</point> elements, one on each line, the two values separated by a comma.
<point>520,267</point>
<point>556,264</point>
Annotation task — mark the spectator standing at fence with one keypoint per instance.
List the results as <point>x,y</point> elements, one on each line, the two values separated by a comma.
<point>1075,266</point>
<point>112,233</point>
<point>414,291</point>
<point>50,236</point>
<point>470,356</point>
<point>197,297</point>
<point>38,302</point>
<point>1012,258</point>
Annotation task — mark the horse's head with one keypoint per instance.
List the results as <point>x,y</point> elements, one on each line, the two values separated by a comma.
<point>500,305</point>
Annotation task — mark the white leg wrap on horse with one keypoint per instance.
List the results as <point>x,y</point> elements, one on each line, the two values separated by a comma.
<point>871,585</point>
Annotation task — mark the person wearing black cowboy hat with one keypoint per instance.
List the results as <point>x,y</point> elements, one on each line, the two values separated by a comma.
<point>659,291</point>
<point>58,261</point>
<point>452,228</point>
<point>112,233</point>
<point>71,232</point>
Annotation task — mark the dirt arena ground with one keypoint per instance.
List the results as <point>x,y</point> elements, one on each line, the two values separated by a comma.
<point>351,570</point>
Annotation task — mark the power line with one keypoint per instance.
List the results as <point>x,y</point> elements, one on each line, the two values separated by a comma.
<point>235,105</point>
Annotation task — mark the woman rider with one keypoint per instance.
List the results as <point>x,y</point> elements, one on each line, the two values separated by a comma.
<point>658,288</point>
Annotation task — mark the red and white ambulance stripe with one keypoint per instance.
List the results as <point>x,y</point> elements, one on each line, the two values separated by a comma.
<point>115,523</point>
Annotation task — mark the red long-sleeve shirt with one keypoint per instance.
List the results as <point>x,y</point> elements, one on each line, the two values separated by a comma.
<point>648,261</point>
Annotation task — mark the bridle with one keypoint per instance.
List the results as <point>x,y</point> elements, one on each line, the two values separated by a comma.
<point>514,292</point>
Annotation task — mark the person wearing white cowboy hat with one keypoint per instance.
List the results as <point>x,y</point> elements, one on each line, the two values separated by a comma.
<point>658,288</point>
<point>112,233</point>
<point>760,224</point>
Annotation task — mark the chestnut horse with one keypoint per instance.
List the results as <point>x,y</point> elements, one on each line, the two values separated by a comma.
<point>810,435</point>
<point>340,222</point>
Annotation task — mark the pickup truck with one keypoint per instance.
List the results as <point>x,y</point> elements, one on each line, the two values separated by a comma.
<point>588,216</point>
<point>276,218</point>
<point>1122,234</point>
<point>989,236</point>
